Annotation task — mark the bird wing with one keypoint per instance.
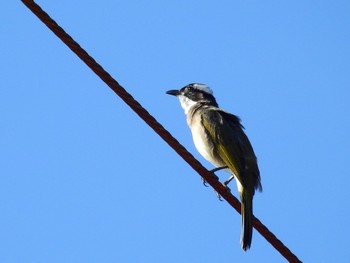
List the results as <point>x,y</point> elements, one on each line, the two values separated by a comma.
<point>233,146</point>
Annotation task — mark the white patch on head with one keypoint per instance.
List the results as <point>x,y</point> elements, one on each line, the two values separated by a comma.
<point>203,87</point>
<point>186,103</point>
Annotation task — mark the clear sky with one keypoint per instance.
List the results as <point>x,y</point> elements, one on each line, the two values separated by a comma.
<point>83,179</point>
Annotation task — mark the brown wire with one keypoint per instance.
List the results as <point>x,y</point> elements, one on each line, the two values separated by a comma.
<point>156,126</point>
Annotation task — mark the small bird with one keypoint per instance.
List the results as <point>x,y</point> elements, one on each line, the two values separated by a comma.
<point>220,139</point>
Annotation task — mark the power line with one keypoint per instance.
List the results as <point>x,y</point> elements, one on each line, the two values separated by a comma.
<point>156,126</point>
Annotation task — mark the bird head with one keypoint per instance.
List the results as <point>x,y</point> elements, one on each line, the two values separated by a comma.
<point>192,94</point>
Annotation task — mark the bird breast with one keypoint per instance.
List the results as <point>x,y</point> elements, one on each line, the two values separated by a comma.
<point>202,140</point>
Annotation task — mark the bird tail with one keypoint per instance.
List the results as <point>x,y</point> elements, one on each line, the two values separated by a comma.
<point>247,219</point>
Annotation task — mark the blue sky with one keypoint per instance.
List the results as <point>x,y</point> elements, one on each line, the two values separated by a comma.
<point>83,179</point>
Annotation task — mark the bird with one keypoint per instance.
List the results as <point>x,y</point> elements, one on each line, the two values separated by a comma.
<point>219,137</point>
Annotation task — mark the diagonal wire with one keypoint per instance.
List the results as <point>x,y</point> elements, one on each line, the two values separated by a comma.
<point>156,126</point>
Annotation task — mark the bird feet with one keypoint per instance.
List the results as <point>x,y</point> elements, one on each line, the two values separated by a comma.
<point>213,171</point>
<point>205,183</point>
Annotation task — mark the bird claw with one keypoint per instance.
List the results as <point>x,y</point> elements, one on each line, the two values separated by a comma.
<point>219,196</point>
<point>204,182</point>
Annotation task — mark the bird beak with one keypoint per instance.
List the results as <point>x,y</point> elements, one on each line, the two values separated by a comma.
<point>173,92</point>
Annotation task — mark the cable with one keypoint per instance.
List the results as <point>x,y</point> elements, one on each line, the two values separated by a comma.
<point>208,176</point>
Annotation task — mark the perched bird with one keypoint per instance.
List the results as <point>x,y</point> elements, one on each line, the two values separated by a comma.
<point>220,139</point>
